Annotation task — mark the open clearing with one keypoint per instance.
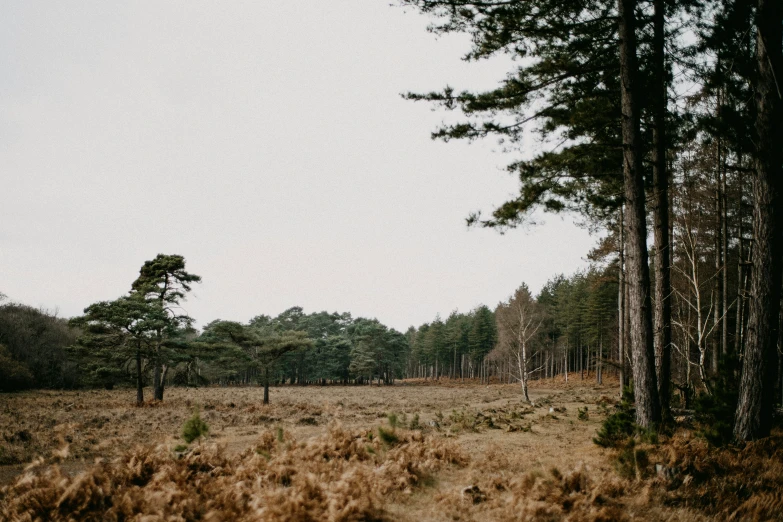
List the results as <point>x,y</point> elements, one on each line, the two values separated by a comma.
<point>456,452</point>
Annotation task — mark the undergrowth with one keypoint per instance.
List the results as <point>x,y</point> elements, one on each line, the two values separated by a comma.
<point>340,475</point>
<point>194,428</point>
<point>715,411</point>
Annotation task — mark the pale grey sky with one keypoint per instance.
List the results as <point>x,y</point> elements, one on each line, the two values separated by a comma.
<point>267,143</point>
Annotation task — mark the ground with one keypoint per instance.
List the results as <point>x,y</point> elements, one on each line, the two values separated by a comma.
<point>412,451</point>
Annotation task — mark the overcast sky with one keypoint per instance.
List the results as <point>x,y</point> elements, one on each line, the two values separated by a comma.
<point>266,142</point>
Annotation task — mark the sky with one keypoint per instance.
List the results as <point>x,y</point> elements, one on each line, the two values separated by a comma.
<point>267,142</point>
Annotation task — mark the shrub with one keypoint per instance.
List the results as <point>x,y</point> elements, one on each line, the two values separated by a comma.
<point>14,375</point>
<point>387,436</point>
<point>618,427</point>
<point>194,428</point>
<point>582,415</point>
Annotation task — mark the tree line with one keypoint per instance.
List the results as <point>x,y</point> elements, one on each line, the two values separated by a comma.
<point>662,115</point>
<point>569,327</point>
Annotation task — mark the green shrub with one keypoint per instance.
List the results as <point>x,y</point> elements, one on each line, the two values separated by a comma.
<point>618,427</point>
<point>194,428</point>
<point>387,436</point>
<point>393,420</point>
<point>415,422</point>
<point>582,414</point>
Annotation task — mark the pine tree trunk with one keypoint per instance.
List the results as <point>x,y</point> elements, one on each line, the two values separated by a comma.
<point>160,378</point>
<point>621,306</point>
<point>757,384</point>
<point>266,384</point>
<point>725,272</point>
<point>740,303</point>
<point>139,381</point>
<point>648,408</point>
<point>663,307</point>
<point>156,381</point>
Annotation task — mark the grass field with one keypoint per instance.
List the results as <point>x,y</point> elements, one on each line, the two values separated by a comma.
<point>413,451</point>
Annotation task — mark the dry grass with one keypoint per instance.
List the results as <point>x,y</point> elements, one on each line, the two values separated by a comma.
<point>476,452</point>
<point>340,475</point>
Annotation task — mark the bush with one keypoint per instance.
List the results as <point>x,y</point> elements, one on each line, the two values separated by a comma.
<point>387,436</point>
<point>14,375</point>
<point>582,415</point>
<point>618,427</point>
<point>194,428</point>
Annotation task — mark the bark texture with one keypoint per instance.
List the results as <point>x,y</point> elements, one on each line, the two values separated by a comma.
<point>139,381</point>
<point>648,406</point>
<point>759,365</point>
<point>663,290</point>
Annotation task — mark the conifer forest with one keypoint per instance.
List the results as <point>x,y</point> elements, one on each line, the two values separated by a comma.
<point>645,385</point>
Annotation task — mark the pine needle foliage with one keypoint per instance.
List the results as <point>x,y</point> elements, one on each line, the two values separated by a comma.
<point>194,428</point>
<point>620,425</point>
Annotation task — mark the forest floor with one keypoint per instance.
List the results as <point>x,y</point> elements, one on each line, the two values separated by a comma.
<point>413,451</point>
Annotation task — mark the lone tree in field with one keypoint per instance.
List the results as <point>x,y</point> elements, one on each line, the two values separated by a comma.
<point>145,325</point>
<point>163,282</point>
<point>115,333</point>
<point>519,322</point>
<point>260,346</point>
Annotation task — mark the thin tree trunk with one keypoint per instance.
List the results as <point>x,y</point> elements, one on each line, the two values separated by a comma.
<point>621,306</point>
<point>139,381</point>
<point>757,384</point>
<point>266,384</point>
<point>740,283</point>
<point>648,406</point>
<point>663,308</point>
<point>725,271</point>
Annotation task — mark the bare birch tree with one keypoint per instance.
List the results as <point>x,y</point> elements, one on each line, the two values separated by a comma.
<point>519,321</point>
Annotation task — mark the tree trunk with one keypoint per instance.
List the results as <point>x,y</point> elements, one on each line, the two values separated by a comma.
<point>621,304</point>
<point>759,368</point>
<point>155,379</point>
<point>266,384</point>
<point>648,407</point>
<point>139,382</point>
<point>740,303</point>
<point>160,381</point>
<point>663,307</point>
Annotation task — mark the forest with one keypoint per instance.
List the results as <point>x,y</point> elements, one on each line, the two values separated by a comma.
<point>660,125</point>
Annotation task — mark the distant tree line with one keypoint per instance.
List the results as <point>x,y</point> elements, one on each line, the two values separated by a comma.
<point>569,327</point>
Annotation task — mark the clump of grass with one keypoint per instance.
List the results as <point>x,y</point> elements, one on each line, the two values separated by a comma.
<point>582,414</point>
<point>280,434</point>
<point>415,422</point>
<point>180,448</point>
<point>631,462</point>
<point>387,436</point>
<point>194,428</point>
<point>462,421</point>
<point>393,420</point>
